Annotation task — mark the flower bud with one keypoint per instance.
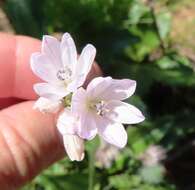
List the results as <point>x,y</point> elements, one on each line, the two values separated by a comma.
<point>47,106</point>
<point>74,146</point>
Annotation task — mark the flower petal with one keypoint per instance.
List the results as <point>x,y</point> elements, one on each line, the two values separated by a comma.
<point>120,89</point>
<point>49,91</point>
<point>113,133</point>
<point>78,104</point>
<point>68,51</point>
<point>123,113</point>
<point>43,67</point>
<point>51,47</point>
<point>98,86</point>
<point>75,84</point>
<point>85,62</point>
<point>67,122</point>
<point>87,128</point>
<point>108,88</point>
<point>47,106</point>
<point>74,147</point>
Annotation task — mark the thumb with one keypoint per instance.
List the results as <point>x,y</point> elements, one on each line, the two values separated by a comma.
<point>29,142</point>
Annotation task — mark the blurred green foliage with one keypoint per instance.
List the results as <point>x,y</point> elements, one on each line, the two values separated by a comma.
<point>133,41</point>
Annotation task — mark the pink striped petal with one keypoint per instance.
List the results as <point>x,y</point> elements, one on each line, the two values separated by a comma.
<point>108,88</point>
<point>113,133</point>
<point>51,47</point>
<point>87,129</point>
<point>68,51</point>
<point>78,104</point>
<point>84,64</point>
<point>49,91</point>
<point>124,113</point>
<point>43,67</point>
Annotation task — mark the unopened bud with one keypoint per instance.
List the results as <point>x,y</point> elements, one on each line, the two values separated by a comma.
<point>74,146</point>
<point>47,106</point>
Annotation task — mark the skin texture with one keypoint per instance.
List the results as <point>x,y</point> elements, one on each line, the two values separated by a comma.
<point>29,140</point>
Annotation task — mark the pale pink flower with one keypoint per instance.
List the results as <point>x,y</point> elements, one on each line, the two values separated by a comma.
<point>101,110</point>
<point>106,154</point>
<point>153,155</point>
<point>74,145</point>
<point>60,67</point>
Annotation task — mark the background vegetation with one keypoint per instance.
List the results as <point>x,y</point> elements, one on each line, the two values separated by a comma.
<point>147,40</point>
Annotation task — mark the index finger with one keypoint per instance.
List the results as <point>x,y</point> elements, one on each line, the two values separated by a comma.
<point>16,77</point>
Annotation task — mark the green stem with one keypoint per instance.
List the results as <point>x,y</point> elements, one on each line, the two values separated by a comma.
<point>91,169</point>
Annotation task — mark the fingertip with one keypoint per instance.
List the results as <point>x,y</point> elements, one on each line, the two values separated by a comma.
<point>7,57</point>
<point>24,77</point>
<point>17,79</point>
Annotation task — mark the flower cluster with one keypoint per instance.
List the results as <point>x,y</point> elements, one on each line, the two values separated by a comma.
<point>84,112</point>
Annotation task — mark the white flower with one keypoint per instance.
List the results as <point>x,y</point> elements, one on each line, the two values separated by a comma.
<point>74,145</point>
<point>60,67</point>
<point>101,110</point>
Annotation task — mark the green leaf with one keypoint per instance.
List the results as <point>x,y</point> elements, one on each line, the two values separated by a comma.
<point>124,181</point>
<point>147,41</point>
<point>152,174</point>
<point>166,63</point>
<point>64,182</point>
<point>164,23</point>
<point>137,10</point>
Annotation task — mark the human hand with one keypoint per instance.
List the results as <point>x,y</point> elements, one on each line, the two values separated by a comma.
<point>29,141</point>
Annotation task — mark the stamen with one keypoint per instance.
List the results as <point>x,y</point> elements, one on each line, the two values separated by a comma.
<point>64,74</point>
<point>101,108</point>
